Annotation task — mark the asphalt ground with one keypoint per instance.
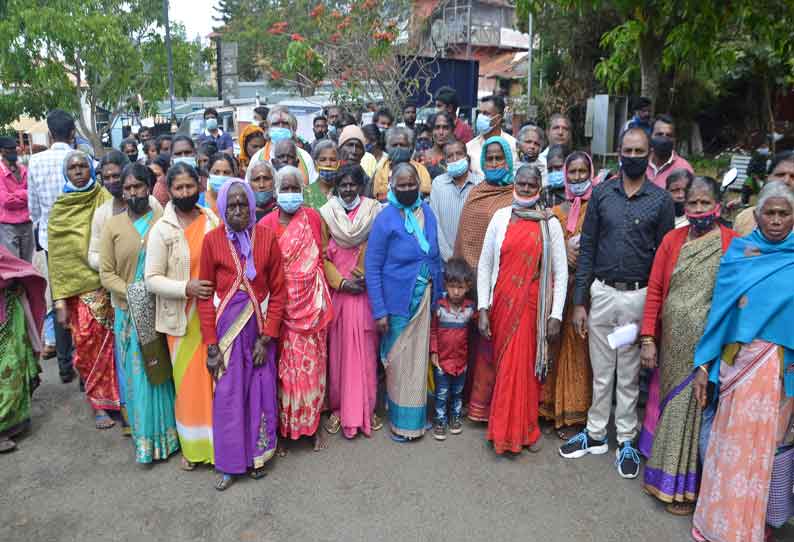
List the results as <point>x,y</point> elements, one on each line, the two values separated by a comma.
<point>67,481</point>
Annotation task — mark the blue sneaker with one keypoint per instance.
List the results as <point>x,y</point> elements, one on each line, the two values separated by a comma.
<point>628,460</point>
<point>581,445</point>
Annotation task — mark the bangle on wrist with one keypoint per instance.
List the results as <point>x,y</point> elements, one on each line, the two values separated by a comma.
<point>647,339</point>
<point>703,368</point>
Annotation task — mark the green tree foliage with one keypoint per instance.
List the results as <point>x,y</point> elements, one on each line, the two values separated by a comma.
<point>82,55</point>
<point>355,44</point>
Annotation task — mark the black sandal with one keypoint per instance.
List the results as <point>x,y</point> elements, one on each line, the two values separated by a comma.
<point>258,474</point>
<point>224,482</point>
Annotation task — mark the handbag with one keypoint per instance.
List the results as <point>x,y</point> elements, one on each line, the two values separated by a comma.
<point>154,346</point>
<point>781,489</point>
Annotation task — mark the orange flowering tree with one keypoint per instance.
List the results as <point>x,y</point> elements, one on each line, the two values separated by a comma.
<point>361,47</point>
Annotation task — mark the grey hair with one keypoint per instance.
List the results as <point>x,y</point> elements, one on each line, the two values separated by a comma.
<point>396,170</point>
<point>322,145</point>
<point>774,189</point>
<point>398,131</point>
<point>259,163</point>
<point>279,110</point>
<point>532,128</point>
<point>287,171</point>
<point>529,171</point>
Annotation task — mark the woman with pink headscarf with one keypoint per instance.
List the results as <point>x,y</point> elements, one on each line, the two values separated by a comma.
<point>569,386</point>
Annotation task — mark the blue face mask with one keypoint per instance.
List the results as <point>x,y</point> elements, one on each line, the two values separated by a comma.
<point>483,124</point>
<point>423,144</point>
<point>458,168</point>
<point>215,182</point>
<point>327,175</point>
<point>495,175</point>
<point>290,202</point>
<point>368,147</point>
<point>579,189</point>
<point>263,198</point>
<point>211,124</point>
<point>399,154</point>
<point>349,206</point>
<point>278,133</point>
<point>555,179</point>
<point>189,160</point>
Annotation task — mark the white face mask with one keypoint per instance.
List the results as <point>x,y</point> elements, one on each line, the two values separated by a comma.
<point>349,206</point>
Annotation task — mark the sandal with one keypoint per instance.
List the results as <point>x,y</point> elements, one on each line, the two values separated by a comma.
<point>7,445</point>
<point>697,537</point>
<point>103,421</point>
<point>258,474</point>
<point>680,508</point>
<point>224,482</point>
<point>187,465</point>
<point>334,424</point>
<point>399,438</point>
<point>376,422</point>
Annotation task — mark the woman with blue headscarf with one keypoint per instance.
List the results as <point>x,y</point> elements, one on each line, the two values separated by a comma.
<point>402,256</point>
<point>80,301</point>
<point>496,162</point>
<point>243,261</point>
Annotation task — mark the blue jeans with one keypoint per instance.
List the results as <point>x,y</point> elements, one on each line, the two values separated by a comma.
<point>449,389</point>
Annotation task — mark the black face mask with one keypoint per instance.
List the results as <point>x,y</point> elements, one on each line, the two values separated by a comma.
<point>186,204</point>
<point>320,135</point>
<point>115,189</point>
<point>662,147</point>
<point>407,197</point>
<point>138,204</point>
<point>11,156</point>
<point>679,208</point>
<point>634,166</point>
<point>133,158</point>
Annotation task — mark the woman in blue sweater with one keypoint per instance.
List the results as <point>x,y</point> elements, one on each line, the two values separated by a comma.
<point>403,274</point>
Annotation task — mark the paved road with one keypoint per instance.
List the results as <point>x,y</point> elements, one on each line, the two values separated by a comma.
<point>68,481</point>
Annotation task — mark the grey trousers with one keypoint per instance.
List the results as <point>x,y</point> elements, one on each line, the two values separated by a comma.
<point>611,308</point>
<point>18,239</point>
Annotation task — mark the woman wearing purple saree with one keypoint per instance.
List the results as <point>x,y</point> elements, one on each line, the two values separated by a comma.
<point>243,262</point>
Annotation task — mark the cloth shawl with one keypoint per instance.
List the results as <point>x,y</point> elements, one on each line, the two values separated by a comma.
<point>542,360</point>
<point>753,299</point>
<point>247,132</point>
<point>69,230</point>
<point>350,233</point>
<point>576,201</point>
<point>481,204</point>
<point>14,269</point>
<point>243,238</point>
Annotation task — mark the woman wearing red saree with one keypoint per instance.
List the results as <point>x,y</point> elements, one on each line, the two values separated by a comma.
<point>521,286</point>
<point>304,333</point>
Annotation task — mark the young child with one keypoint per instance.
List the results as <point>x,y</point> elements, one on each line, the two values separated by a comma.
<point>449,348</point>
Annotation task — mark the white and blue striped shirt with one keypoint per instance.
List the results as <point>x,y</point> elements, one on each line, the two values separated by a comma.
<point>446,201</point>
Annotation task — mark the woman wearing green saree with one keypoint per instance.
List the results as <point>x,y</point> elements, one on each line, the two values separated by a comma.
<point>150,407</point>
<point>22,309</point>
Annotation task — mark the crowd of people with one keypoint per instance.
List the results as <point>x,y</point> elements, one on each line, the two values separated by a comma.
<point>218,306</point>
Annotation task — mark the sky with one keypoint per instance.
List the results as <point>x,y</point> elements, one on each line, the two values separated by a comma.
<point>196,15</point>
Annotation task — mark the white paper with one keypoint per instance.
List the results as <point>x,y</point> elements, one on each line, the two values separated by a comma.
<point>623,336</point>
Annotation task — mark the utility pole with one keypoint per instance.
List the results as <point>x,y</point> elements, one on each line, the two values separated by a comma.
<point>529,68</point>
<point>170,53</point>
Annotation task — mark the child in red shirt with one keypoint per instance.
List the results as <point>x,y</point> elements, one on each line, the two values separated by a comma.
<point>449,348</point>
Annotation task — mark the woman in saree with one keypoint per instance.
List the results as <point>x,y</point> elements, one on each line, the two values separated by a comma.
<point>173,257</point>
<point>402,256</point>
<point>568,389</point>
<point>352,339</point>
<point>80,301</point>
<point>747,352</point>
<point>676,306</point>
<point>496,161</point>
<point>326,159</point>
<point>22,311</point>
<point>262,177</point>
<point>243,261</point>
<point>522,280</point>
<point>303,346</point>
<point>150,408</point>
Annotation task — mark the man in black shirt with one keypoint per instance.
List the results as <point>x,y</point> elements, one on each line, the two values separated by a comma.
<point>625,222</point>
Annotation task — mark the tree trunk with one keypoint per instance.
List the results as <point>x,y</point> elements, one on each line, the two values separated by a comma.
<point>651,50</point>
